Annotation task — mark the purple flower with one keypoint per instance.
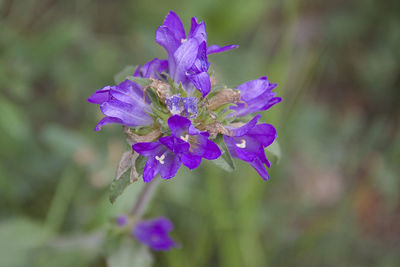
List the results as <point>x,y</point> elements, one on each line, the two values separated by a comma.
<point>248,142</point>
<point>200,146</point>
<point>162,157</point>
<point>257,96</point>
<point>124,104</point>
<point>154,233</point>
<point>187,55</point>
<point>151,69</point>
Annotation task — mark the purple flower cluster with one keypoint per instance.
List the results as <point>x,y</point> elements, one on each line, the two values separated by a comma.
<point>186,109</point>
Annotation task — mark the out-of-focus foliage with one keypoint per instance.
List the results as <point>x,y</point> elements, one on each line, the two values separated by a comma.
<point>333,199</point>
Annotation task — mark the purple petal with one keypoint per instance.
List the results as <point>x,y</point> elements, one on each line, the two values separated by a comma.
<point>151,169</point>
<point>213,49</point>
<point>184,58</point>
<point>174,24</point>
<point>107,120</point>
<point>130,115</point>
<point>171,166</point>
<point>100,96</point>
<point>191,161</point>
<point>154,233</point>
<point>166,38</point>
<point>151,68</point>
<point>198,31</point>
<point>260,168</point>
<point>264,133</point>
<point>245,128</point>
<point>148,149</point>
<point>174,144</point>
<point>179,125</point>
<point>212,150</point>
<point>202,82</point>
<point>129,92</point>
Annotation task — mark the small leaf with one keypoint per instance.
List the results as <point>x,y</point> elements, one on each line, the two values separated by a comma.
<point>118,186</point>
<point>140,162</point>
<point>124,74</point>
<point>274,152</point>
<point>141,81</point>
<point>225,161</point>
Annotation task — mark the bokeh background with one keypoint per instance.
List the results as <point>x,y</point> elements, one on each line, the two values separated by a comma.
<point>332,200</point>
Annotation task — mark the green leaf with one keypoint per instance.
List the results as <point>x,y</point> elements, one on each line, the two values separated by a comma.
<point>140,162</point>
<point>225,161</point>
<point>118,186</point>
<point>274,152</point>
<point>124,74</point>
<point>140,81</point>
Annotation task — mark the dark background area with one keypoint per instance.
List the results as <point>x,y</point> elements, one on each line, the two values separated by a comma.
<point>332,200</point>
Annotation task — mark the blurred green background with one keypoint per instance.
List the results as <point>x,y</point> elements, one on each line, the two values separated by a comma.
<point>333,199</point>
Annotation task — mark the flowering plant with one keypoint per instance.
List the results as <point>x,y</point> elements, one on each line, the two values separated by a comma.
<point>173,114</point>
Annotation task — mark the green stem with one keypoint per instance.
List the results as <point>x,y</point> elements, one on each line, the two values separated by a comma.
<point>144,197</point>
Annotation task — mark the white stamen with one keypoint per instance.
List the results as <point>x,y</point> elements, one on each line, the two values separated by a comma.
<point>242,144</point>
<point>160,159</point>
<point>183,40</point>
<point>185,138</point>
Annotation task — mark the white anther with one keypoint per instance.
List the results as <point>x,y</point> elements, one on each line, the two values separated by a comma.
<point>160,159</point>
<point>185,138</point>
<point>242,144</point>
<point>183,40</point>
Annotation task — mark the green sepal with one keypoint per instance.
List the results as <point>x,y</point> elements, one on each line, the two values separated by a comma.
<point>225,161</point>
<point>141,81</point>
<point>125,73</point>
<point>273,152</point>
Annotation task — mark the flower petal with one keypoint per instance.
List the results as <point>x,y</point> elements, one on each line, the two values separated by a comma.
<point>107,120</point>
<point>174,24</point>
<point>100,96</point>
<point>191,161</point>
<point>171,165</point>
<point>213,49</point>
<point>184,58</point>
<point>178,125</point>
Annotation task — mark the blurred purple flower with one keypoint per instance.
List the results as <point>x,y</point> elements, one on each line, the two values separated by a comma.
<point>257,95</point>
<point>124,104</point>
<point>248,142</point>
<point>121,220</point>
<point>154,233</point>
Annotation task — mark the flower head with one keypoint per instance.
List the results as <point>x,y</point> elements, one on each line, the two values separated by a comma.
<point>154,233</point>
<point>169,123</point>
